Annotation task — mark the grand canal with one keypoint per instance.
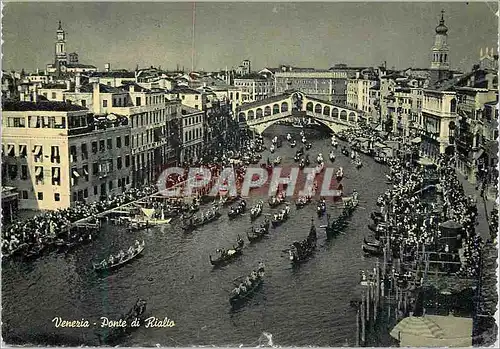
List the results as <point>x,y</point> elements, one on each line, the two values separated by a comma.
<point>302,306</point>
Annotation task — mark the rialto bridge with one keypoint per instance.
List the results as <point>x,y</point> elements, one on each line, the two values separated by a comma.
<point>260,115</point>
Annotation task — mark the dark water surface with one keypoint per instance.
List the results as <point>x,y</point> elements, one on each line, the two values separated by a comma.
<point>308,305</point>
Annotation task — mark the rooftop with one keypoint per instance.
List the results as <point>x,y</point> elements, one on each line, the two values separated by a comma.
<point>10,105</point>
<point>79,65</point>
<point>55,86</point>
<point>185,90</point>
<point>185,110</point>
<point>137,88</point>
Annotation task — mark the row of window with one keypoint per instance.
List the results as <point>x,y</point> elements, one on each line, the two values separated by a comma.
<point>147,118</point>
<point>192,135</point>
<point>192,120</point>
<point>54,122</point>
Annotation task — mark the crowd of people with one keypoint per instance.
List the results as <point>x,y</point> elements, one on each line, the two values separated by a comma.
<point>48,227</point>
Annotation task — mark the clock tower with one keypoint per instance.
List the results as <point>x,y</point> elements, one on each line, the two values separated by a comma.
<point>440,64</point>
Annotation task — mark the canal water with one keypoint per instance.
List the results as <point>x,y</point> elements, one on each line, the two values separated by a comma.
<point>308,305</point>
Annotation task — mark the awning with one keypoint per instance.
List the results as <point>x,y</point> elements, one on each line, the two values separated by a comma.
<point>38,171</point>
<point>75,173</point>
<point>478,154</point>
<point>416,140</point>
<point>38,149</point>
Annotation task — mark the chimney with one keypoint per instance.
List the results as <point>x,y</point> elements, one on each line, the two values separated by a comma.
<point>107,67</point>
<point>77,82</point>
<point>37,71</point>
<point>96,98</point>
<point>68,84</point>
<point>131,88</point>
<point>481,53</point>
<point>35,95</point>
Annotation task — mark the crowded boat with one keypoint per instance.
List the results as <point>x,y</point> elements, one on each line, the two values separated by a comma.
<point>247,287</point>
<point>280,217</point>
<point>238,210</point>
<point>300,251</point>
<point>120,259</point>
<point>256,210</point>
<point>257,234</point>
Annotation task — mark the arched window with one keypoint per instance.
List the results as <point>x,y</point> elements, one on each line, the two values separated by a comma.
<point>453,106</point>
<point>276,109</point>
<point>267,111</point>
<point>352,116</point>
<point>250,115</point>
<point>335,113</point>
<point>258,115</point>
<point>309,106</point>
<point>237,95</point>
<point>326,111</point>
<point>318,108</point>
<point>343,115</point>
<point>241,117</point>
<point>284,107</point>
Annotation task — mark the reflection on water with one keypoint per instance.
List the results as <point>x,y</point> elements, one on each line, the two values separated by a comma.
<point>308,305</point>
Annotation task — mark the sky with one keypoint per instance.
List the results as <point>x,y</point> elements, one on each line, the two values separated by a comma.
<point>127,34</point>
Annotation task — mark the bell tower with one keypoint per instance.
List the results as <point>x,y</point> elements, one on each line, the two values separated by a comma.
<point>440,50</point>
<point>61,57</point>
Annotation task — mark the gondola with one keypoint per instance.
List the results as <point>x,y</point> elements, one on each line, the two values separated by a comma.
<point>256,210</point>
<point>239,296</point>
<point>302,164</point>
<point>279,143</point>
<point>192,223</point>
<point>301,251</point>
<point>321,208</point>
<point>281,217</point>
<point>112,335</point>
<point>344,151</point>
<point>372,250</point>
<point>340,174</point>
<point>277,161</point>
<point>376,243</point>
<point>338,225</point>
<point>296,158</point>
<point>228,255</point>
<point>358,164</point>
<point>306,160</point>
<point>240,209</point>
<point>258,233</point>
<point>302,201</point>
<point>271,149</point>
<point>119,262</point>
<point>293,144</point>
<point>377,217</point>
<point>308,145</point>
<point>228,200</point>
<point>300,152</point>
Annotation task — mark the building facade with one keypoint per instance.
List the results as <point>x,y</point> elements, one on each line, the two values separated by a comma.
<point>50,151</point>
<point>254,87</point>
<point>192,134</point>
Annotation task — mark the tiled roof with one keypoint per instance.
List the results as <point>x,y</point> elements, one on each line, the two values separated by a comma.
<point>190,110</point>
<point>10,105</point>
<point>87,88</point>
<point>54,86</point>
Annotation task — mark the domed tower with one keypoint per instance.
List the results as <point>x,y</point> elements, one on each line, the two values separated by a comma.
<point>440,50</point>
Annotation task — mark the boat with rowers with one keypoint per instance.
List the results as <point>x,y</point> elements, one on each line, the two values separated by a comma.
<point>246,289</point>
<point>257,234</point>
<point>149,217</point>
<point>226,256</point>
<point>340,174</point>
<point>321,207</point>
<point>303,201</point>
<point>277,200</point>
<point>308,145</point>
<point>277,161</point>
<point>301,251</point>
<point>281,217</point>
<point>190,223</point>
<point>319,159</point>
<point>112,335</point>
<point>114,262</point>
<point>256,210</point>
<point>332,156</point>
<point>293,143</point>
<point>238,210</point>
<point>338,225</point>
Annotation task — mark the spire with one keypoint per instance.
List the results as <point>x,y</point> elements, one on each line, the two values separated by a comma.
<point>60,26</point>
<point>442,18</point>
